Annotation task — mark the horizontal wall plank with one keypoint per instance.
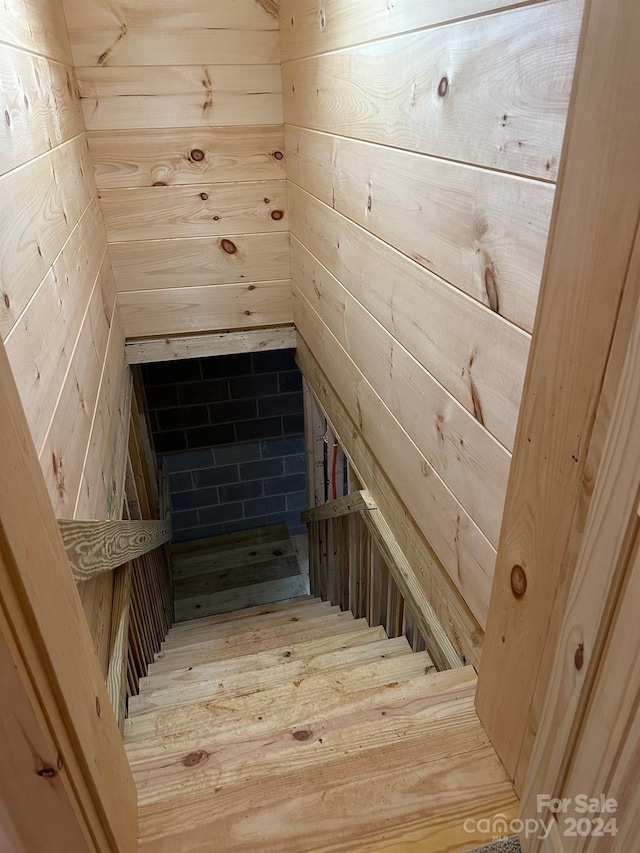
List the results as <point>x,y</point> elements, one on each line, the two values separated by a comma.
<point>444,596</point>
<point>41,344</point>
<point>195,309</point>
<point>469,461</point>
<point>482,231</point>
<point>157,213</point>
<point>122,45</point>
<point>63,452</point>
<point>53,191</point>
<point>493,91</point>
<point>204,345</point>
<point>341,23</point>
<point>465,553</point>
<point>183,96</point>
<point>39,105</point>
<point>200,261</point>
<point>36,25</point>
<point>96,547</point>
<point>477,356</point>
<point>142,158</point>
<point>165,14</point>
<point>104,466</point>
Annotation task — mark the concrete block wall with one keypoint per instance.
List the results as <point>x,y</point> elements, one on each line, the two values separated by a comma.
<point>231,430</point>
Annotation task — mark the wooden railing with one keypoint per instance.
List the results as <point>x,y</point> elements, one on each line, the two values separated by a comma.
<point>355,562</point>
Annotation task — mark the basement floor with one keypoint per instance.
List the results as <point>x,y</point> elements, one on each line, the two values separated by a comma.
<point>294,727</point>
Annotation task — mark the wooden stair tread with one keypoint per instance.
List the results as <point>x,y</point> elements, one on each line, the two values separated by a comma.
<point>281,655</point>
<point>191,566</point>
<point>280,617</point>
<point>240,598</point>
<point>225,647</point>
<point>182,729</point>
<point>404,711</point>
<point>248,612</point>
<point>228,541</point>
<point>237,684</point>
<point>214,579</point>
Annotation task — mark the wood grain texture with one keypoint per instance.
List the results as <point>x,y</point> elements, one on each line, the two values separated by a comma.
<point>41,344</point>
<point>463,550</point>
<point>204,345</point>
<point>503,103</point>
<point>54,191</point>
<point>49,629</point>
<point>63,452</point>
<point>484,233</point>
<point>591,242</point>
<point>307,29</point>
<point>472,464</point>
<point>200,261</point>
<point>95,547</point>
<point>38,26</point>
<point>206,210</point>
<point>469,350</point>
<point>39,104</point>
<point>141,158</point>
<point>183,310</point>
<point>180,96</point>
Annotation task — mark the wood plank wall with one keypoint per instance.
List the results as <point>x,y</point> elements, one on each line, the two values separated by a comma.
<point>423,141</point>
<point>183,104</point>
<point>58,314</point>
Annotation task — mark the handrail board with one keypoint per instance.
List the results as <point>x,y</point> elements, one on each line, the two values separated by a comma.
<point>438,643</point>
<point>354,502</point>
<point>95,547</point>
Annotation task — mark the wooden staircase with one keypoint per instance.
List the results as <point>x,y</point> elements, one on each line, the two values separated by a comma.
<point>296,727</point>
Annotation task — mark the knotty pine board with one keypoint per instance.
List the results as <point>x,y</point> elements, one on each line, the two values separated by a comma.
<point>482,231</point>
<point>200,261</point>
<point>53,190</point>
<point>182,310</point>
<point>37,26</point>
<point>142,158</point>
<point>472,351</point>
<point>180,96</point>
<point>474,465</point>
<point>491,91</point>
<point>41,344</point>
<point>206,210</point>
<point>464,551</point>
<point>39,106</point>
<point>306,31</point>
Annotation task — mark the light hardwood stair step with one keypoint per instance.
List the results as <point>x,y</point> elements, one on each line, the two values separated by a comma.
<point>247,613</point>
<point>301,747</point>
<point>420,763</point>
<point>240,598</point>
<point>236,646</point>
<point>229,541</point>
<point>219,580</point>
<point>281,655</point>
<point>182,729</point>
<point>282,617</point>
<point>238,684</point>
<point>190,567</point>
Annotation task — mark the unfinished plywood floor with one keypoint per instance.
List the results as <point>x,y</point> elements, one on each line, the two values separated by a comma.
<point>235,571</point>
<point>295,727</point>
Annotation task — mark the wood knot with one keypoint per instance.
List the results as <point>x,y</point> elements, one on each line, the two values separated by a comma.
<point>47,772</point>
<point>578,658</point>
<point>443,86</point>
<point>195,758</point>
<point>158,184</point>
<point>204,196</point>
<point>286,655</point>
<point>98,708</point>
<point>492,288</point>
<point>7,118</point>
<point>7,301</point>
<point>303,735</point>
<point>277,154</point>
<point>518,581</point>
<point>216,218</point>
<point>266,200</point>
<point>229,246</point>
<point>247,313</point>
<point>277,214</point>
<point>197,155</point>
